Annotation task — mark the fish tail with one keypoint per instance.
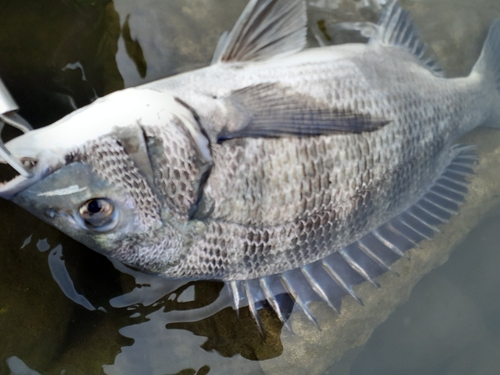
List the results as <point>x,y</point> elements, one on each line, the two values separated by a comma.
<point>489,61</point>
<point>488,66</point>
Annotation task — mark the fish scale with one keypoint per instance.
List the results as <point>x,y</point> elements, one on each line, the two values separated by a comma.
<point>342,195</point>
<point>409,175</point>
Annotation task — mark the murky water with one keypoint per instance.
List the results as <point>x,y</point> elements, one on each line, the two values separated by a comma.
<point>65,308</point>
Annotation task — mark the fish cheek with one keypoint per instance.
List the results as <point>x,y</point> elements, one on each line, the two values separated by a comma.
<point>58,200</point>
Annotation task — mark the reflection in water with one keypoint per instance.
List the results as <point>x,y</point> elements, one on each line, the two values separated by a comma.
<point>134,49</point>
<point>18,367</point>
<point>61,56</point>
<point>63,279</point>
<point>161,346</point>
<point>196,314</point>
<point>174,36</point>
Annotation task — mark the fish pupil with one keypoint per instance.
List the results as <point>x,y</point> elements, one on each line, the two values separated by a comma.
<point>94,206</point>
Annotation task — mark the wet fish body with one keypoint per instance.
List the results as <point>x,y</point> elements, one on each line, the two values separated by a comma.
<point>281,188</point>
<point>276,170</point>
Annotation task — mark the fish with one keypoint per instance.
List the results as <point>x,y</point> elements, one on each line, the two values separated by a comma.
<point>280,170</point>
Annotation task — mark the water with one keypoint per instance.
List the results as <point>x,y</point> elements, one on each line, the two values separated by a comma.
<point>450,324</point>
<point>64,54</point>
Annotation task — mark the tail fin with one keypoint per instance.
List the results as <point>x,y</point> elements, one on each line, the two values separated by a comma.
<point>489,61</point>
<point>488,66</point>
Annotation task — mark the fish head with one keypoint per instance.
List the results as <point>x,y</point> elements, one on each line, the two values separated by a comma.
<point>120,176</point>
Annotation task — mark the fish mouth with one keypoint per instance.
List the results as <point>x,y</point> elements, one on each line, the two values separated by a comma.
<point>30,170</point>
<point>10,188</point>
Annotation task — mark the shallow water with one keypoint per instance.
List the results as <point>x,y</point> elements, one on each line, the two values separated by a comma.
<point>63,55</point>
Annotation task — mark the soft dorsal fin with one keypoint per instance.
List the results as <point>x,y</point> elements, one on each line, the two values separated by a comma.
<point>265,29</point>
<point>396,28</point>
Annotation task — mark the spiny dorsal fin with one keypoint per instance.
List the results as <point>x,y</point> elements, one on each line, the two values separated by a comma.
<point>396,28</point>
<point>265,29</point>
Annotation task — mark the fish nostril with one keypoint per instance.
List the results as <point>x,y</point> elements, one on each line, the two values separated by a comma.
<point>52,213</point>
<point>29,162</point>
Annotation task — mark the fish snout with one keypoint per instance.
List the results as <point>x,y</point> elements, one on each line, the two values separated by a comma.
<point>35,169</point>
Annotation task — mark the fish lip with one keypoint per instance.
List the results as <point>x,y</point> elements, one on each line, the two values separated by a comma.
<point>46,163</point>
<point>9,189</point>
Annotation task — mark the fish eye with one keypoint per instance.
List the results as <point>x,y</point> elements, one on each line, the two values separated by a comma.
<point>98,214</point>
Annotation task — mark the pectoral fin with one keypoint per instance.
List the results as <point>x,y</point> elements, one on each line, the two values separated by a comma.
<point>273,110</point>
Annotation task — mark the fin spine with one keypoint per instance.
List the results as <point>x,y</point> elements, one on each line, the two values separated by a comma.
<point>431,196</point>
<point>317,288</point>
<point>365,249</point>
<point>396,28</point>
<point>430,226</point>
<point>298,300</point>
<point>340,281</point>
<point>234,288</point>
<point>400,233</point>
<point>263,282</point>
<point>357,267</point>
<point>253,310</point>
<point>379,236</point>
<point>412,227</point>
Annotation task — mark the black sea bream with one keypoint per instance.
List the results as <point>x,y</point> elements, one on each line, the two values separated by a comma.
<point>277,169</point>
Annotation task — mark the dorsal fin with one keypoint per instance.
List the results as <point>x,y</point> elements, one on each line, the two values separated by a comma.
<point>265,29</point>
<point>396,28</point>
